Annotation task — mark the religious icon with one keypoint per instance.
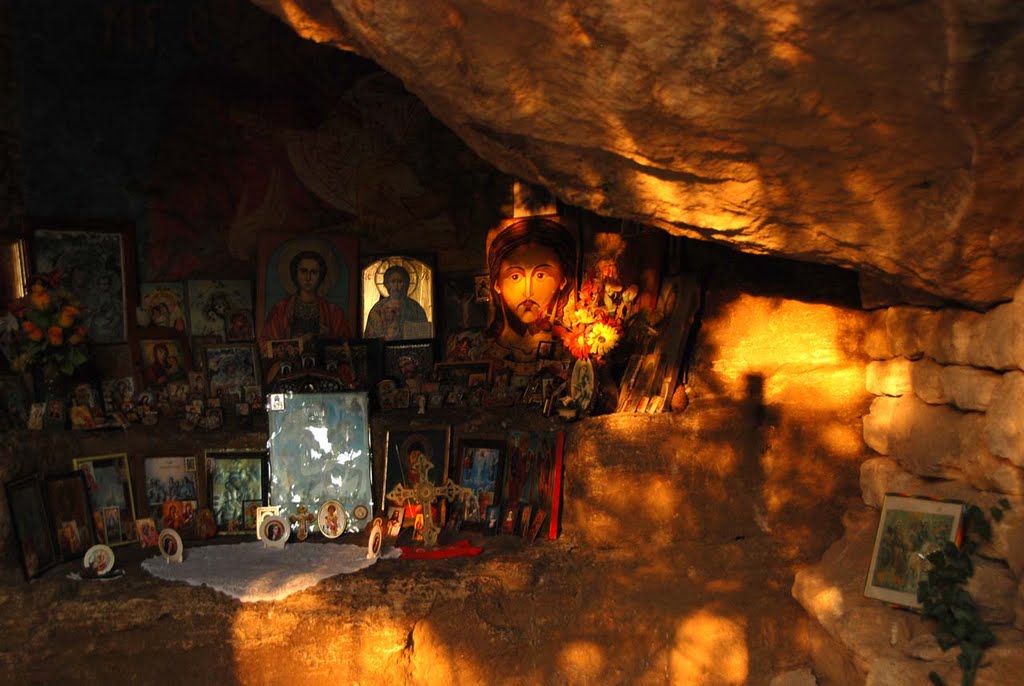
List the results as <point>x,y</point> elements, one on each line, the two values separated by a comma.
<point>307,287</point>
<point>532,265</point>
<point>164,304</point>
<point>398,299</point>
<point>164,360</point>
<point>211,301</point>
<point>331,519</point>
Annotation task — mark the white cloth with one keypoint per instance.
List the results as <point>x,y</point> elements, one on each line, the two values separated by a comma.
<point>252,573</point>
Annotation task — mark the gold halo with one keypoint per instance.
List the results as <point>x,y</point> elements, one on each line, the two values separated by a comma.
<point>407,263</point>
<point>296,245</point>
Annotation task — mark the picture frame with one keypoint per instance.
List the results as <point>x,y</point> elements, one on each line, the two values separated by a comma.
<point>166,479</point>
<point>210,301</point>
<point>533,474</point>
<point>397,297</point>
<point>407,360</point>
<point>164,306</point>
<point>356,362</point>
<point>147,531</point>
<point>240,326</point>
<point>909,528</point>
<point>97,259</point>
<point>335,259</point>
<point>163,359</point>
<point>98,560</point>
<point>230,367</point>
<point>479,465</point>
<point>235,476</point>
<point>401,446</point>
<point>171,546</point>
<point>320,450</point>
<point>67,500</point>
<point>274,531</point>
<point>261,514</point>
<point>332,519</point>
<point>108,479</point>
<point>31,524</point>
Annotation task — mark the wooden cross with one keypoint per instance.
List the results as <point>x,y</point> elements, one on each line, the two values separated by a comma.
<point>424,493</point>
<point>303,518</point>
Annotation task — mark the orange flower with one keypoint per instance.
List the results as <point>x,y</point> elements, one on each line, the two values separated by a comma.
<point>32,331</point>
<point>68,314</point>
<point>40,297</point>
<point>56,335</point>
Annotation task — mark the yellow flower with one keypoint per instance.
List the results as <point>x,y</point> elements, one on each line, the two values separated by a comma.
<point>601,338</point>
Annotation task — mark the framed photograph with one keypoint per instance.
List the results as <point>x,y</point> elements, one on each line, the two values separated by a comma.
<point>233,478</point>
<point>147,531</point>
<point>320,449</point>
<point>110,490</point>
<point>98,264</point>
<point>239,326</point>
<point>356,362</point>
<point>465,374</point>
<point>403,449</point>
<point>32,530</point>
<point>397,294</point>
<point>164,360</point>
<point>909,529</point>
<point>67,498</point>
<point>168,479</point>
<point>232,367</point>
<point>307,284</point>
<point>210,301</point>
<point>408,360</point>
<point>533,474</point>
<point>479,465</point>
<point>163,303</point>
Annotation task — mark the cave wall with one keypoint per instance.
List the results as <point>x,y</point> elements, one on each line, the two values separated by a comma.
<point>884,137</point>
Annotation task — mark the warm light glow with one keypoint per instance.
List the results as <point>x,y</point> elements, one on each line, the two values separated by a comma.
<point>581,662</point>
<point>709,649</point>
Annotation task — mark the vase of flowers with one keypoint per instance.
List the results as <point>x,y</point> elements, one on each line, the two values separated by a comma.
<point>592,327</point>
<point>51,337</point>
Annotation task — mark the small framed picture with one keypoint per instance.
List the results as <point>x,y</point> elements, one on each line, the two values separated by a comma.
<point>393,526</point>
<point>164,360</point>
<point>32,528</point>
<point>110,496</point>
<point>274,531</point>
<point>210,301</point>
<point>168,479</point>
<point>416,454</point>
<point>481,288</point>
<point>170,545</point>
<point>479,465</point>
<point>408,360</point>
<point>147,531</point>
<point>397,294</point>
<point>545,350</point>
<point>239,326</point>
<point>230,368</point>
<point>909,529</point>
<point>68,500</point>
<point>99,560</point>
<point>163,303</point>
<point>234,478</point>
<point>261,514</point>
<point>332,519</point>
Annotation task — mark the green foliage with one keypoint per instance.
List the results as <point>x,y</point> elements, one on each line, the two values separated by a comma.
<point>943,597</point>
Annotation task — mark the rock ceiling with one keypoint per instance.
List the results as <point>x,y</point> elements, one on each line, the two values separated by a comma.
<point>882,136</point>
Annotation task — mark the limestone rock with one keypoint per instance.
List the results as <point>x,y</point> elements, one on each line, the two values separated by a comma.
<point>926,378</point>
<point>798,677</point>
<point>884,137</point>
<point>891,377</point>
<point>968,388</point>
<point>1004,421</point>
<point>938,441</point>
<point>952,336</point>
<point>997,340</point>
<point>994,589</point>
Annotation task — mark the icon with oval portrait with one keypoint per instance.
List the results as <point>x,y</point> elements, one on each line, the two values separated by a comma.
<point>99,560</point>
<point>332,519</point>
<point>274,531</point>
<point>170,545</point>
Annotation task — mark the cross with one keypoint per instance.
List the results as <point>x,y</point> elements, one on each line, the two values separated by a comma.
<point>424,493</point>
<point>303,518</point>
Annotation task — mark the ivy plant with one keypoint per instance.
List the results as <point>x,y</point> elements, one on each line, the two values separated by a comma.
<point>944,598</point>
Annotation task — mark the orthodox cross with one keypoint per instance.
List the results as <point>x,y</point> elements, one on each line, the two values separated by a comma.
<point>424,493</point>
<point>303,518</point>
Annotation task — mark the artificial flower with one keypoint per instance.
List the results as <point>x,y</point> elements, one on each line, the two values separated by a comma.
<point>601,338</point>
<point>52,332</point>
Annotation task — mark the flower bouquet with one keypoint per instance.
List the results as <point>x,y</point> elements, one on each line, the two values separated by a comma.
<point>594,324</point>
<point>51,334</point>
